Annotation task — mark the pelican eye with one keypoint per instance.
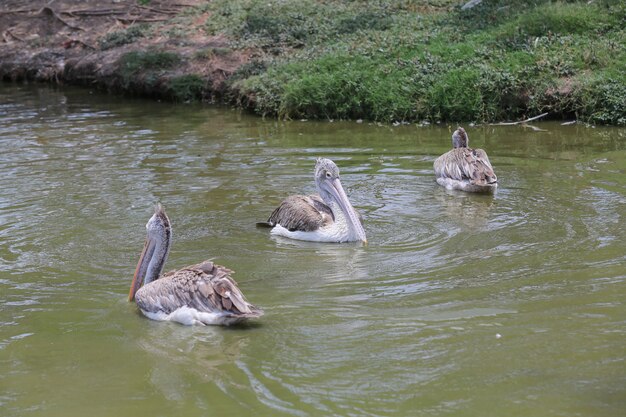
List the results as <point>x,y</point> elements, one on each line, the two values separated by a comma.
<point>328,174</point>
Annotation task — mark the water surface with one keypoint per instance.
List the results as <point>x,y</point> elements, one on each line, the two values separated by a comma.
<point>463,305</point>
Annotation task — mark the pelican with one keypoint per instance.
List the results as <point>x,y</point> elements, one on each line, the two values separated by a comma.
<point>464,168</point>
<point>327,217</point>
<point>198,294</point>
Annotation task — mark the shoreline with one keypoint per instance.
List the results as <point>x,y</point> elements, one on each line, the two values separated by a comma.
<point>357,65</point>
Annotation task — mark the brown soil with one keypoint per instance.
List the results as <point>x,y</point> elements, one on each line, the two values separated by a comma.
<point>61,41</point>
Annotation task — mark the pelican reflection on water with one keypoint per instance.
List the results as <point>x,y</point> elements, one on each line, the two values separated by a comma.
<point>198,294</point>
<point>324,217</point>
<point>464,168</point>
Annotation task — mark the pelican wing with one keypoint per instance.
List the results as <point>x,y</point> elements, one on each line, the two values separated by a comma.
<point>205,287</point>
<point>301,212</point>
<point>465,164</point>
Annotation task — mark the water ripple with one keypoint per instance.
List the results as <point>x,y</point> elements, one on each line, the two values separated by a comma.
<point>522,290</point>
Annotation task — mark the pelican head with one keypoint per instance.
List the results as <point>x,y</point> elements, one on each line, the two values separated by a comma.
<point>155,251</point>
<point>460,139</point>
<point>330,189</point>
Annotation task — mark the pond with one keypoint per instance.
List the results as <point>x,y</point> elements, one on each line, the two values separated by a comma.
<point>464,305</point>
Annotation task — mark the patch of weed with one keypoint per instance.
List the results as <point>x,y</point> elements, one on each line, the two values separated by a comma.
<point>365,21</point>
<point>149,60</point>
<point>604,101</point>
<point>186,87</point>
<point>137,65</point>
<point>454,96</point>
<point>209,53</point>
<point>249,69</point>
<point>123,37</point>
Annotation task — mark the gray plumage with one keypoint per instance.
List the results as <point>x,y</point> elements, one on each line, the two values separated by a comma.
<point>302,212</point>
<point>206,287</point>
<point>464,168</point>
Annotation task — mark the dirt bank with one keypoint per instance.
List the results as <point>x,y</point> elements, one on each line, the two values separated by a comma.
<point>116,45</point>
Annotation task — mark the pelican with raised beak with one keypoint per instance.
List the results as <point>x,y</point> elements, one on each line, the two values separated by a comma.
<point>464,168</point>
<point>327,217</point>
<point>198,294</point>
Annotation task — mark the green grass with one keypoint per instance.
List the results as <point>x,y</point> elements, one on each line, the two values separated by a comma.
<point>186,87</point>
<point>389,61</point>
<point>209,53</point>
<point>149,60</point>
<point>145,67</point>
<point>124,37</point>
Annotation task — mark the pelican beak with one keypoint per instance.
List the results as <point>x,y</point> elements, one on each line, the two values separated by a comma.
<point>336,189</point>
<point>142,267</point>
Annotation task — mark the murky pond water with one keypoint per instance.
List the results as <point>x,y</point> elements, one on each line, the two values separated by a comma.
<point>463,305</point>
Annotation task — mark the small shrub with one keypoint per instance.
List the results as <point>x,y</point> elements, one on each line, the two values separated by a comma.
<point>186,88</point>
<point>456,96</point>
<point>364,21</point>
<point>560,19</point>
<point>149,63</point>
<point>604,101</point>
<point>262,93</point>
<point>135,61</point>
<point>209,53</point>
<point>290,28</point>
<point>123,37</point>
<point>502,94</point>
<point>248,70</point>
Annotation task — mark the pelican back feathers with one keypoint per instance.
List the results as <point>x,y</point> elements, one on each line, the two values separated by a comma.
<point>205,287</point>
<point>304,213</point>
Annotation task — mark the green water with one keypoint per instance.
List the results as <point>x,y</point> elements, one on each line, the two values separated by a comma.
<point>461,305</point>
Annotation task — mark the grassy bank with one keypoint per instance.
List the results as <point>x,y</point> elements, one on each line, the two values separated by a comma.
<point>428,60</point>
<point>382,60</point>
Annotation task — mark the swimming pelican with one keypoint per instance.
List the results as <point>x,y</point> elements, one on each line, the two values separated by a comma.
<point>464,168</point>
<point>198,294</point>
<point>327,217</point>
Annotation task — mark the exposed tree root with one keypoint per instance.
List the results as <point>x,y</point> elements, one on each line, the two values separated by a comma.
<point>51,12</point>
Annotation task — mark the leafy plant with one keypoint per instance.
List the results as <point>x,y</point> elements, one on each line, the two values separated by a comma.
<point>186,87</point>
<point>123,37</point>
<point>145,65</point>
